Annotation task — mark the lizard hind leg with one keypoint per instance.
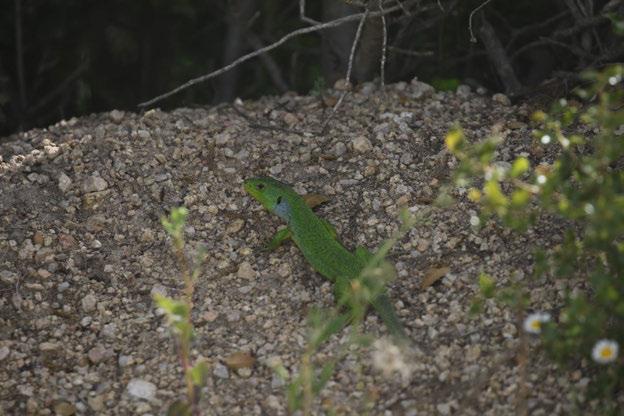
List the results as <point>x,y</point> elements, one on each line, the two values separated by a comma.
<point>330,228</point>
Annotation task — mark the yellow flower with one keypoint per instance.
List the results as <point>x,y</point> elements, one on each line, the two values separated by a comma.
<point>605,351</point>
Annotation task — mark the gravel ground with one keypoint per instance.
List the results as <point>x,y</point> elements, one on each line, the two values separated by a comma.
<point>82,251</point>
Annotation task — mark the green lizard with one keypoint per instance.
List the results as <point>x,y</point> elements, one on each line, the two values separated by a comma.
<point>316,239</point>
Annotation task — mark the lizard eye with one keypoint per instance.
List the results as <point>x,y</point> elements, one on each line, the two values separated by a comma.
<point>260,186</point>
<point>279,200</point>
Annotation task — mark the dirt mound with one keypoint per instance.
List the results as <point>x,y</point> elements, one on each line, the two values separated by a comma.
<point>82,250</point>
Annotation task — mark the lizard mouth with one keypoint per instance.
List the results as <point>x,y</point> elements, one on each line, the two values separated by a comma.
<point>251,186</point>
<point>248,186</point>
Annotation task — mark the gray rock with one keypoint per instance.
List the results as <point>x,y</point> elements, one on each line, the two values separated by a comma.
<point>141,389</point>
<point>125,360</point>
<point>94,184</point>
<point>8,277</point>
<point>97,354</point>
<point>4,352</point>
<point>221,371</point>
<point>116,116</point>
<point>444,408</point>
<point>463,91</point>
<point>361,144</point>
<point>245,271</point>
<point>48,347</point>
<point>89,303</point>
<point>339,149</point>
<point>501,99</point>
<point>109,330</point>
<point>421,89</point>
<point>64,182</point>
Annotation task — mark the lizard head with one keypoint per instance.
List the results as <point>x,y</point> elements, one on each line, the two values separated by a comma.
<point>274,195</point>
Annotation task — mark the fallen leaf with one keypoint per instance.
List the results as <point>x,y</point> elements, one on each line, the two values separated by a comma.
<point>239,360</point>
<point>314,200</point>
<point>433,275</point>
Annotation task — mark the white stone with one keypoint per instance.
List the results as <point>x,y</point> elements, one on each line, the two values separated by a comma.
<point>141,389</point>
<point>4,352</point>
<point>245,271</point>
<point>362,144</point>
<point>88,303</point>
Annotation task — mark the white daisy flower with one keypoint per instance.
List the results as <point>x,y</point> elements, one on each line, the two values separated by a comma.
<point>605,351</point>
<point>533,323</point>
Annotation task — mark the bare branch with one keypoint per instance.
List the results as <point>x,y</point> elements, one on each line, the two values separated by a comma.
<point>384,46</point>
<point>302,15</point>
<point>295,33</point>
<point>525,30</point>
<point>410,53</point>
<point>473,39</point>
<point>499,58</point>
<point>60,88</point>
<point>405,11</point>
<point>269,63</point>
<point>19,53</point>
<point>356,40</point>
<point>549,41</point>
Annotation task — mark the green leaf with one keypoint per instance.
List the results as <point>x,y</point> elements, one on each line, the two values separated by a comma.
<point>185,329</point>
<point>519,166</point>
<point>324,376</point>
<point>520,197</point>
<point>174,223</point>
<point>329,328</point>
<point>199,373</point>
<point>476,306</point>
<point>179,408</point>
<point>617,22</point>
<point>494,194</point>
<point>175,309</point>
<point>293,395</point>
<point>454,140</point>
<point>487,285</point>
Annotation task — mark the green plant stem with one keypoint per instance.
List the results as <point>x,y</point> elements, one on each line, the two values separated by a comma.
<point>306,381</point>
<point>189,288</point>
<point>523,358</point>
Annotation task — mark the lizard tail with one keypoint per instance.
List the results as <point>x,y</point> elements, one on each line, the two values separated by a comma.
<point>386,312</point>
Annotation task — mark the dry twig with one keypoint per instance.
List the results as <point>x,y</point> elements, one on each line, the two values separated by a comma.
<point>356,40</point>
<point>19,53</point>
<point>303,16</point>
<point>295,33</point>
<point>273,69</point>
<point>384,45</point>
<point>499,57</point>
<point>473,39</point>
<point>410,53</point>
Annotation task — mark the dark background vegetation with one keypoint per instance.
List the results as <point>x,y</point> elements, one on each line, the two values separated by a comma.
<point>63,58</point>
